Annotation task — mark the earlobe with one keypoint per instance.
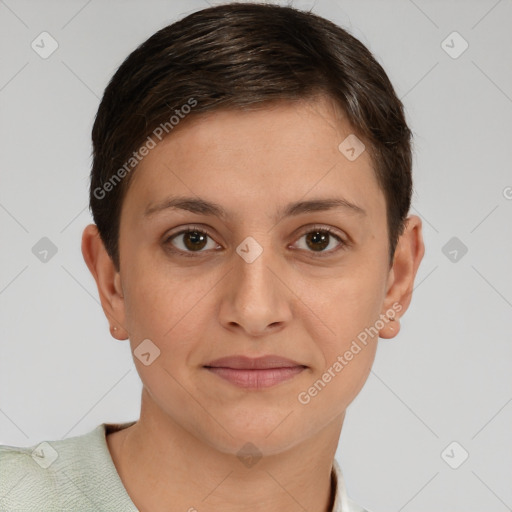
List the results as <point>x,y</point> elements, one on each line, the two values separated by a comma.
<point>390,329</point>
<point>408,255</point>
<point>108,280</point>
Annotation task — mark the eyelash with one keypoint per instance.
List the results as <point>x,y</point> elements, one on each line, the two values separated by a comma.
<point>343,244</point>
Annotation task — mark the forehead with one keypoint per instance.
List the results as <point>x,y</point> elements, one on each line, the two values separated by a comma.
<point>259,158</point>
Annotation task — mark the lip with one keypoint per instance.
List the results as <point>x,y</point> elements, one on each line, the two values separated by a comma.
<point>256,373</point>
<point>253,363</point>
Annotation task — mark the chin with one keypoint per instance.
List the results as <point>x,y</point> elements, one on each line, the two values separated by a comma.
<point>263,437</point>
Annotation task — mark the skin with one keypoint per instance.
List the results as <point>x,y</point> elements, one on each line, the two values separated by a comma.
<point>290,301</point>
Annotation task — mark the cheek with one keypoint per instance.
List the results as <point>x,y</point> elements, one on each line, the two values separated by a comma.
<point>333,389</point>
<point>354,300</point>
<point>148,308</point>
<point>167,306</point>
<point>347,355</point>
<point>351,313</point>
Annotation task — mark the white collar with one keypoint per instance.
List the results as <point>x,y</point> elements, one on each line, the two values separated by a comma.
<point>342,503</point>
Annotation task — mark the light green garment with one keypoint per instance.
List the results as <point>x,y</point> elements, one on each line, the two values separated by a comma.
<point>78,474</point>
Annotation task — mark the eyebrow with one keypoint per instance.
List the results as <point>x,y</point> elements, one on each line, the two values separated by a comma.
<point>203,207</point>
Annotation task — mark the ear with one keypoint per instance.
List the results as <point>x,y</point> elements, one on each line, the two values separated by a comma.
<point>408,255</point>
<point>108,280</point>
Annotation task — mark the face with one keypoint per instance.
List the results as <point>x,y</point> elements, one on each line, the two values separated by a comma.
<point>293,263</point>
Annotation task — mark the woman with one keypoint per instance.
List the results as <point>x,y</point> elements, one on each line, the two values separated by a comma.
<point>250,189</point>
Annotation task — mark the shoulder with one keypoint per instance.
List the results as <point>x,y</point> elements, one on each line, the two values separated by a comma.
<point>25,482</point>
<point>50,475</point>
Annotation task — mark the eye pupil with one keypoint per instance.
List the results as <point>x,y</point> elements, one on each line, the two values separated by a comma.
<point>196,238</point>
<point>316,237</point>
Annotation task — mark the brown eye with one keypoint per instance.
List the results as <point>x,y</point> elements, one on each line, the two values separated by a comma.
<point>190,240</point>
<point>318,239</point>
<point>194,240</point>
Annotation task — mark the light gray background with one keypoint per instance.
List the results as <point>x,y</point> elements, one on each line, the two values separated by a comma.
<point>445,378</point>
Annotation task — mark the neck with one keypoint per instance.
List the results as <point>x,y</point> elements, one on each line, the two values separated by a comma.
<point>164,467</point>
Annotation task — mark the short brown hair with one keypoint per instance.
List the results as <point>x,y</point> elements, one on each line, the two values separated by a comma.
<point>235,55</point>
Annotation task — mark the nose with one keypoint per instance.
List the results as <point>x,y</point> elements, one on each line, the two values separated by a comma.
<point>255,299</point>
